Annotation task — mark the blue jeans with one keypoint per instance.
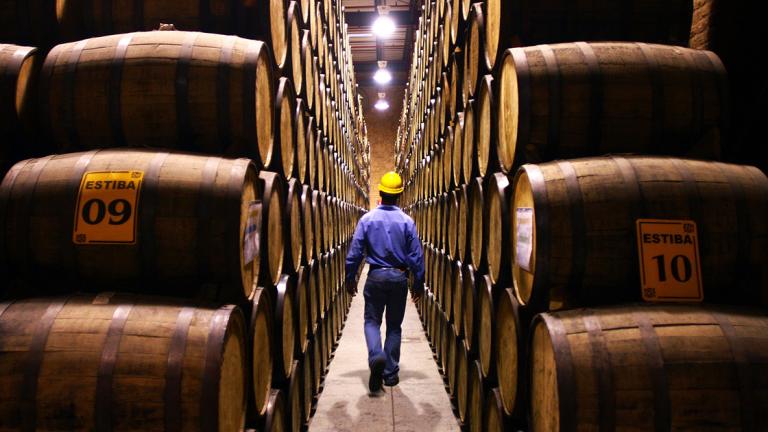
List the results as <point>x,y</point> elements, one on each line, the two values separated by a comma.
<point>385,289</point>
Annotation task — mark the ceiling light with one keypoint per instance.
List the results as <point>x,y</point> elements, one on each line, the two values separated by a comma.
<point>382,76</point>
<point>383,27</point>
<point>382,104</point>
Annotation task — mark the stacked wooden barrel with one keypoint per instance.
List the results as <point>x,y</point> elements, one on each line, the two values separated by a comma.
<point>202,185</point>
<point>499,94</point>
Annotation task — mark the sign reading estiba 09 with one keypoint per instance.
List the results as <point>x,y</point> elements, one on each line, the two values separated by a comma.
<point>106,207</point>
<point>669,260</point>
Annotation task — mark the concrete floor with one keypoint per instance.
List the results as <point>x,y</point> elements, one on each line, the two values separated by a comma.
<point>419,403</point>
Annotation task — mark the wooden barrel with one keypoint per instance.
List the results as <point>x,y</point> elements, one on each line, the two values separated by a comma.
<point>284,131</point>
<point>486,134</point>
<point>314,295</point>
<point>313,139</point>
<point>308,90</point>
<point>317,362</point>
<point>495,420</point>
<point>432,321</point>
<point>468,141</point>
<point>301,309</point>
<point>452,236</point>
<point>300,121</point>
<point>475,66</point>
<point>294,68</point>
<point>274,420</point>
<point>457,76</point>
<point>496,223</point>
<point>731,241</point>
<point>462,199</point>
<point>512,325</point>
<point>477,240</point>
<point>93,362</point>
<point>476,403</point>
<point>260,335</point>
<point>463,365</point>
<point>307,224</point>
<point>307,385</point>
<point>322,280</point>
<point>470,302</point>
<point>293,236</point>
<point>634,356</point>
<point>18,82</point>
<point>284,330</point>
<point>294,416</point>
<point>447,288</point>
<point>451,363</point>
<point>272,234</point>
<point>329,337</point>
<point>56,221</point>
<point>455,28</point>
<point>486,331</point>
<point>639,98</point>
<point>440,341</point>
<point>321,162</point>
<point>457,287</point>
<point>318,222</point>
<point>188,91</point>
<point>448,148</point>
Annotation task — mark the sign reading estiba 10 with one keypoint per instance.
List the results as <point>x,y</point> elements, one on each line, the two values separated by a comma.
<point>105,212</point>
<point>670,269</point>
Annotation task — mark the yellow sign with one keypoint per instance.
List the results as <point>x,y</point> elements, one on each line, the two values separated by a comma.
<point>106,207</point>
<point>669,260</point>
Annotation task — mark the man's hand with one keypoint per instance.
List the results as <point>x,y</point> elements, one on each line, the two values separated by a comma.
<point>351,286</point>
<point>417,293</point>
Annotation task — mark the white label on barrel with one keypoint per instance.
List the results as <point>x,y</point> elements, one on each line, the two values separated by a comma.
<point>669,260</point>
<point>106,209</point>
<point>251,233</point>
<point>524,237</point>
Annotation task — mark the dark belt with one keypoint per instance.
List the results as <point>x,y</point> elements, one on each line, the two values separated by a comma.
<point>378,267</point>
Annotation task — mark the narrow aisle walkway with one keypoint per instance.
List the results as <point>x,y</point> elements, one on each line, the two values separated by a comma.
<point>418,404</point>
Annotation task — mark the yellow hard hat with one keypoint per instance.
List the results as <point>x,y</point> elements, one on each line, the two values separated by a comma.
<point>391,183</point>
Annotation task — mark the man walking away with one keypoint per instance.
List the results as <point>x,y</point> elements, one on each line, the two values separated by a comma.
<point>390,242</point>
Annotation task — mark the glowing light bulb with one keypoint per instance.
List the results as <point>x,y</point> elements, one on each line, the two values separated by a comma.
<point>383,26</point>
<point>382,105</point>
<point>382,76</point>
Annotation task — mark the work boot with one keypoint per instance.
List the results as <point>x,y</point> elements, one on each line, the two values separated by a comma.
<point>391,380</point>
<point>377,368</point>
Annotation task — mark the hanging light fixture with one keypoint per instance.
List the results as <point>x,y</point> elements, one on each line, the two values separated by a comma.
<point>384,26</point>
<point>382,104</point>
<point>382,75</point>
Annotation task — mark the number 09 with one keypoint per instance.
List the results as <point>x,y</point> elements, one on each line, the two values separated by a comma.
<point>95,210</point>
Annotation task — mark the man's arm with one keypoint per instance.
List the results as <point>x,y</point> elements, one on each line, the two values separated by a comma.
<point>355,256</point>
<point>415,258</point>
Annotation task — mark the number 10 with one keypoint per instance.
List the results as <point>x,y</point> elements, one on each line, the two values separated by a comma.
<point>676,263</point>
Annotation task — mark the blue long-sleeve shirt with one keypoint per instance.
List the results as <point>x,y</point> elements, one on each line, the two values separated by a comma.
<point>389,239</point>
